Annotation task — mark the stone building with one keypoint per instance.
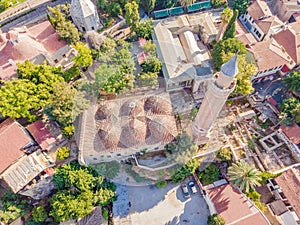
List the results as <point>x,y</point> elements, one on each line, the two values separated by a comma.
<point>218,90</point>
<point>84,15</point>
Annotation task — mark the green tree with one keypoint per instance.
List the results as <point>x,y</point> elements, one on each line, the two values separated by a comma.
<point>39,214</point>
<point>210,174</point>
<point>132,15</point>
<point>223,48</point>
<point>84,57</point>
<point>292,81</point>
<point>241,6</point>
<point>150,48</point>
<point>63,153</point>
<point>152,64</point>
<point>230,29</point>
<point>71,73</point>
<point>107,169</point>
<point>185,171</point>
<point>148,79</point>
<point>244,176</point>
<point>225,17</point>
<point>66,104</point>
<point>217,3</point>
<point>66,206</point>
<point>225,154</point>
<point>145,29</point>
<point>64,27</point>
<point>291,108</point>
<point>148,5</point>
<point>12,207</point>
<point>68,131</point>
<point>20,98</point>
<point>161,184</point>
<point>215,220</point>
<point>39,74</point>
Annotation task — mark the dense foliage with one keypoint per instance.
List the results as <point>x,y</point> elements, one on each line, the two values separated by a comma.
<point>145,29</point>
<point>63,153</point>
<point>230,29</point>
<point>84,57</point>
<point>241,6</point>
<point>132,15</point>
<point>223,51</point>
<point>39,214</point>
<point>63,26</point>
<point>80,189</point>
<point>290,108</point>
<point>12,207</point>
<point>292,81</point>
<point>148,5</point>
<point>215,220</point>
<point>210,174</point>
<point>186,170</point>
<point>225,154</point>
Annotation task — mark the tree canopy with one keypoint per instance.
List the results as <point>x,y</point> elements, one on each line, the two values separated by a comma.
<point>80,189</point>
<point>290,108</point>
<point>145,29</point>
<point>215,220</point>
<point>64,27</point>
<point>292,81</point>
<point>230,29</point>
<point>223,48</point>
<point>20,98</point>
<point>148,5</point>
<point>84,57</point>
<point>186,170</point>
<point>132,15</point>
<point>241,6</point>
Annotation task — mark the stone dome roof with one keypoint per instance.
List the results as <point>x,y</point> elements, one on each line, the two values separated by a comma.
<point>157,105</point>
<point>109,139</point>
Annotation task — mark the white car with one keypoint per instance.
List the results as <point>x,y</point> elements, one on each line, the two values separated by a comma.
<point>193,187</point>
<point>185,191</point>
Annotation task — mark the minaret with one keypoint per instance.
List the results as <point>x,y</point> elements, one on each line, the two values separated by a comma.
<point>218,90</point>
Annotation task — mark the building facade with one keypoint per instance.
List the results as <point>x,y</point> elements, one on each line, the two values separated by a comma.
<point>84,15</point>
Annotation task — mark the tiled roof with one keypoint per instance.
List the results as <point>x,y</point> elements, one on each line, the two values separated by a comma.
<point>289,38</point>
<point>259,9</point>
<point>41,134</point>
<point>289,183</point>
<point>23,43</point>
<point>12,139</point>
<point>293,132</point>
<point>234,207</point>
<point>269,54</point>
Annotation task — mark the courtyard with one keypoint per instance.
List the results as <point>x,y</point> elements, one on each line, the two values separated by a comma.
<point>153,206</point>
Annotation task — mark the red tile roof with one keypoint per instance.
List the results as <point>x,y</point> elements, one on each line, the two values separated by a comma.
<point>293,133</point>
<point>290,40</point>
<point>265,50</point>
<point>25,43</point>
<point>41,134</point>
<point>259,9</point>
<point>12,140</point>
<point>235,208</point>
<point>289,183</point>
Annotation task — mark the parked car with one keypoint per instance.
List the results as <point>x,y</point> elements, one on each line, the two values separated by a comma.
<point>193,187</point>
<point>185,191</point>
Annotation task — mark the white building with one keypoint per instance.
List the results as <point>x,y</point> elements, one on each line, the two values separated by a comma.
<point>84,15</point>
<point>260,21</point>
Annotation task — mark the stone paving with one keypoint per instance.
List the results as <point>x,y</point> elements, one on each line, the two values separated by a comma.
<point>152,206</point>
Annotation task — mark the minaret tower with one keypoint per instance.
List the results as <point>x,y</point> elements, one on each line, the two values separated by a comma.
<point>218,90</point>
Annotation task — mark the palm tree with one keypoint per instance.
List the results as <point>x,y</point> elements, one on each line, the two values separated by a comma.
<point>244,176</point>
<point>225,17</point>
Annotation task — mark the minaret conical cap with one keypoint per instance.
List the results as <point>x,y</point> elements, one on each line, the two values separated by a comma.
<point>230,68</point>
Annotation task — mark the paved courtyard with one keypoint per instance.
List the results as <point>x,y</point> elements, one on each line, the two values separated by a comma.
<point>139,205</point>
